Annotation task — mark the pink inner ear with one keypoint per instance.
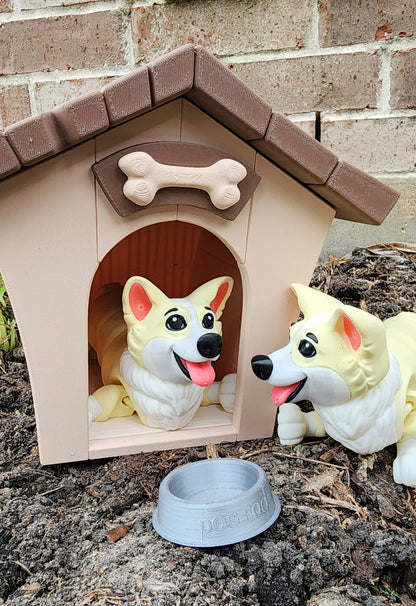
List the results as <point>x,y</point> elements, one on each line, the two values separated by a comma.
<point>216,302</point>
<point>140,304</point>
<point>352,333</point>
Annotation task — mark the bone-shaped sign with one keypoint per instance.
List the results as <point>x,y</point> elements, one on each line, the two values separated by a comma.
<point>145,177</point>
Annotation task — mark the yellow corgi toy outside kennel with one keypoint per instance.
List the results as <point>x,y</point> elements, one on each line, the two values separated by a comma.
<point>358,372</point>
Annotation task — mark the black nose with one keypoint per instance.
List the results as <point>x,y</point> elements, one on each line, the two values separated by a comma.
<point>209,345</point>
<point>262,366</point>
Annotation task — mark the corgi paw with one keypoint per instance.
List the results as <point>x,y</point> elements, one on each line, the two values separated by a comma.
<point>94,408</point>
<point>404,466</point>
<point>227,392</point>
<point>291,426</point>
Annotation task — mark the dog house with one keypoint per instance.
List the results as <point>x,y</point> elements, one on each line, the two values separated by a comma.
<point>67,228</point>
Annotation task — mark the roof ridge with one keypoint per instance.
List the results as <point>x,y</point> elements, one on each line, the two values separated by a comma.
<point>192,72</point>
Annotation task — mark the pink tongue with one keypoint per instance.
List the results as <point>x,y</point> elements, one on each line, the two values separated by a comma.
<point>280,393</point>
<point>201,373</point>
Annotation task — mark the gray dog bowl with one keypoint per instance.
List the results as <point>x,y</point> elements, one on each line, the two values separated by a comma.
<point>215,502</point>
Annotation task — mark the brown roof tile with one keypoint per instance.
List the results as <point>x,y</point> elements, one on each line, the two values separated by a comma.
<point>172,75</point>
<point>82,118</point>
<point>192,72</point>
<point>9,163</point>
<point>219,92</point>
<point>35,138</point>
<point>128,96</point>
<point>356,195</point>
<point>296,152</point>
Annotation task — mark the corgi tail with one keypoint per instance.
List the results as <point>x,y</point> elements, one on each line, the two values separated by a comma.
<point>107,329</point>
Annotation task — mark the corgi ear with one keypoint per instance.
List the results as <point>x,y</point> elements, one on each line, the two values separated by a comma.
<point>218,302</point>
<point>313,302</point>
<point>139,296</point>
<point>214,294</point>
<point>345,327</point>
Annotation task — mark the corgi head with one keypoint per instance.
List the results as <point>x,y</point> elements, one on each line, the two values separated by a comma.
<point>335,353</point>
<point>175,339</point>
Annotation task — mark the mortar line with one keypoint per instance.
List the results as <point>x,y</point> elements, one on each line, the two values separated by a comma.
<point>384,92</point>
<point>64,75</point>
<point>299,117</point>
<point>127,39</point>
<point>398,44</point>
<point>366,114</point>
<point>145,3</point>
<point>58,11</point>
<point>314,26</point>
<point>32,97</point>
<point>404,176</point>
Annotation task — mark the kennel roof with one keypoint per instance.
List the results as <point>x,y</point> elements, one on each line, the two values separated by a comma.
<point>192,72</point>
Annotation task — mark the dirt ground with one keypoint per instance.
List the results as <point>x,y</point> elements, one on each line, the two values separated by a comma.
<point>81,534</point>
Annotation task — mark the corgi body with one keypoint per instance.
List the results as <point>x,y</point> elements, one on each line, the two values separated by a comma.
<point>358,372</point>
<point>157,360</point>
<point>366,423</point>
<point>161,403</point>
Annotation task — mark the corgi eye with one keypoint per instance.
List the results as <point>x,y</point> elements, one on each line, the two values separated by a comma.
<point>176,322</point>
<point>208,321</point>
<point>306,349</point>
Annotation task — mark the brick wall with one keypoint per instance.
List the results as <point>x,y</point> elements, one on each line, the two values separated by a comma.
<point>343,69</point>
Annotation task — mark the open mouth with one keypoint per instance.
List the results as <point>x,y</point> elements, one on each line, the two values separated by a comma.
<point>286,393</point>
<point>200,373</point>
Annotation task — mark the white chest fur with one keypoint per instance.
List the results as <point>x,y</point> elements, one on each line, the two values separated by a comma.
<point>366,424</point>
<point>167,405</point>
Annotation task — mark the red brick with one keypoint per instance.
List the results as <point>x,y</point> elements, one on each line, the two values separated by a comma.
<point>358,21</point>
<point>314,83</point>
<point>5,6</point>
<point>221,26</point>
<point>34,4</point>
<point>14,104</point>
<point>51,93</point>
<point>65,42</point>
<point>375,145</point>
<point>403,79</point>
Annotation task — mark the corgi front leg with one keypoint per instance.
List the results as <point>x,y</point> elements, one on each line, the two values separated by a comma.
<point>109,401</point>
<point>291,426</point>
<point>404,465</point>
<point>294,425</point>
<point>222,392</point>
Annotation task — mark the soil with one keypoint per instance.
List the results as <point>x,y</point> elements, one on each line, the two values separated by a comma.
<point>81,534</point>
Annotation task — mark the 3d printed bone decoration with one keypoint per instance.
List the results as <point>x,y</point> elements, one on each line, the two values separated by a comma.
<point>172,172</point>
<point>145,177</point>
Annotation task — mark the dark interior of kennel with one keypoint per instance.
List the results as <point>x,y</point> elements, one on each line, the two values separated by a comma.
<point>177,257</point>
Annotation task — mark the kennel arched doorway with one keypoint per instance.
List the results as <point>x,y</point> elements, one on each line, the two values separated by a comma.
<point>177,257</point>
